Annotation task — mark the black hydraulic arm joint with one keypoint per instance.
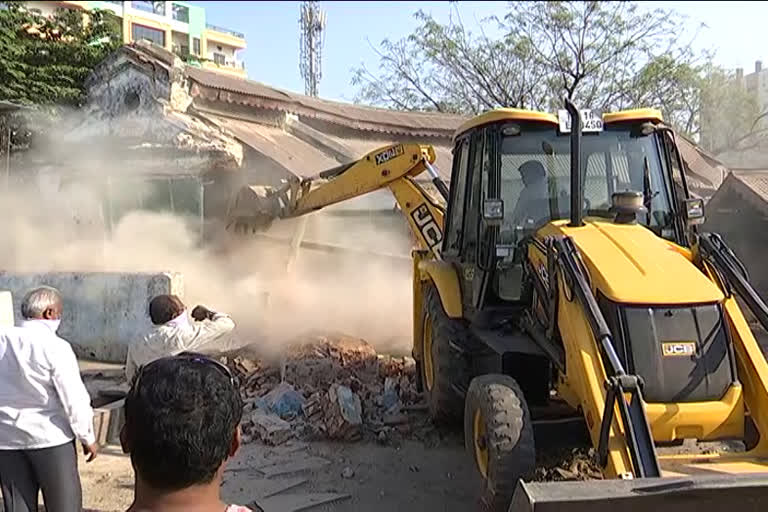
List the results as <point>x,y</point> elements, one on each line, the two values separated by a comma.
<point>714,250</point>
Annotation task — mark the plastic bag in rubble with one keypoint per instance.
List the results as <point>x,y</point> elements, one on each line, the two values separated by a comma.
<point>390,400</point>
<point>349,404</point>
<point>283,401</point>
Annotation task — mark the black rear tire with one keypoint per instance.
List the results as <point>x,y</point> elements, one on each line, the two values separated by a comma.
<point>445,405</point>
<point>496,416</point>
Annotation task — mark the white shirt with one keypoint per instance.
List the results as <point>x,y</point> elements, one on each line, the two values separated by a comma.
<point>178,335</point>
<point>43,401</point>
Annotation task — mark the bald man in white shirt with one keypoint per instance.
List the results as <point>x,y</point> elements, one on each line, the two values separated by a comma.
<point>44,407</point>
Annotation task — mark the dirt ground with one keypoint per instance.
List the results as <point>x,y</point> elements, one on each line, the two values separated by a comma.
<point>375,478</point>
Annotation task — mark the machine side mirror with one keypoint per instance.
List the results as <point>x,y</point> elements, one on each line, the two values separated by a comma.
<point>493,211</point>
<point>693,211</point>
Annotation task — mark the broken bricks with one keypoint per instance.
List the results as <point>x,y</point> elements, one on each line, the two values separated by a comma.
<point>329,388</point>
<point>344,416</point>
<point>269,428</point>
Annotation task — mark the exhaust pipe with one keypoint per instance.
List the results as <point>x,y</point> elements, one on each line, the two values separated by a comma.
<point>577,202</point>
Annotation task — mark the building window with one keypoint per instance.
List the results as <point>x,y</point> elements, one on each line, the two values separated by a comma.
<point>196,45</point>
<point>181,13</point>
<point>146,6</point>
<point>139,32</point>
<point>220,59</point>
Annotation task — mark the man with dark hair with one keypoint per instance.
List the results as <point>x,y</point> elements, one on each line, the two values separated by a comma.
<point>182,417</point>
<point>44,407</point>
<point>174,333</point>
<point>532,203</point>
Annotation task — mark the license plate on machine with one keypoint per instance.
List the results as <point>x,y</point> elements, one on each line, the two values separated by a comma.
<point>592,121</point>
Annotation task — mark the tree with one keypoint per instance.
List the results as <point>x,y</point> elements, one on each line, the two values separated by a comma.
<point>729,112</point>
<point>46,60</point>
<point>446,68</point>
<point>603,55</point>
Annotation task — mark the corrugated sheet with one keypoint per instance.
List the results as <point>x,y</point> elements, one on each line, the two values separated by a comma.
<point>248,92</point>
<point>755,180</point>
<point>294,154</point>
<point>701,165</point>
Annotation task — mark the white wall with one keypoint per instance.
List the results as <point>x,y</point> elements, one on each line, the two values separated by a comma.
<point>6,309</point>
<point>45,8</point>
<point>228,51</point>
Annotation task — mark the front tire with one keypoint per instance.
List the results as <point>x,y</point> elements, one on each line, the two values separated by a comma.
<point>438,361</point>
<point>498,435</point>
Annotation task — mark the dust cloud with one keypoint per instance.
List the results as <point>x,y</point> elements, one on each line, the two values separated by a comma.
<point>57,223</point>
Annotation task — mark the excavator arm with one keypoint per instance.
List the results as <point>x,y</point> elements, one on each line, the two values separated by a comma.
<point>393,167</point>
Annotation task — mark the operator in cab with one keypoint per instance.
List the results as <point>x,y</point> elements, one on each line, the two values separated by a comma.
<point>532,205</point>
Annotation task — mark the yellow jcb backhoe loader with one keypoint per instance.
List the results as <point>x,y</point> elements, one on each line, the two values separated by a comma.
<point>568,266</point>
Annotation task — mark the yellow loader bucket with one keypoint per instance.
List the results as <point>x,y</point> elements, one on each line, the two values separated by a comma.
<point>737,493</point>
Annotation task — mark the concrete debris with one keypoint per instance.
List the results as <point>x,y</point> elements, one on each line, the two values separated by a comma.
<point>333,387</point>
<point>297,502</point>
<point>344,415</point>
<point>268,488</point>
<point>268,427</point>
<point>579,464</point>
<point>295,465</point>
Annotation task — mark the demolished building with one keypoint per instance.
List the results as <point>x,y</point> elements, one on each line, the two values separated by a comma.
<point>739,212</point>
<point>193,137</point>
<point>227,132</point>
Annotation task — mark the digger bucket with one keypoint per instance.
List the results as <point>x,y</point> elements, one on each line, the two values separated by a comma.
<point>738,493</point>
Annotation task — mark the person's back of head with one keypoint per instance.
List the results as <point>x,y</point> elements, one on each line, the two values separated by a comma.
<point>182,417</point>
<point>164,308</point>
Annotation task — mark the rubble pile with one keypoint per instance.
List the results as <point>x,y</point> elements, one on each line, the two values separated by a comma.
<point>578,464</point>
<point>327,387</point>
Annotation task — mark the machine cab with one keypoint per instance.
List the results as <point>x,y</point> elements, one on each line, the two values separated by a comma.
<point>512,174</point>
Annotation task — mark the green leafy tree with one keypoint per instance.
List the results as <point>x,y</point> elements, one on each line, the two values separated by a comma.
<point>604,55</point>
<point>45,60</point>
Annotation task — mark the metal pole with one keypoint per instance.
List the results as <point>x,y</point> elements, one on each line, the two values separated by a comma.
<point>170,193</point>
<point>8,161</point>
<point>298,237</point>
<point>576,185</point>
<point>202,210</point>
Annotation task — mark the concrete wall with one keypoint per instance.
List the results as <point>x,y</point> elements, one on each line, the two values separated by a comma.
<point>103,312</point>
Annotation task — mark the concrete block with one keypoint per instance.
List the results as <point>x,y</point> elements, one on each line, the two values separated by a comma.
<point>6,309</point>
<point>103,311</point>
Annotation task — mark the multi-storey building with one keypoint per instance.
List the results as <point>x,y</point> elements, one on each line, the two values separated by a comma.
<point>177,26</point>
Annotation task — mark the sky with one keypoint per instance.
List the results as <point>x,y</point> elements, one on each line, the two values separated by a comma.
<point>736,31</point>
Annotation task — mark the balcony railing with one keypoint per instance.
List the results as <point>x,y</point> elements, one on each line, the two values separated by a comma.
<point>225,30</point>
<point>148,6</point>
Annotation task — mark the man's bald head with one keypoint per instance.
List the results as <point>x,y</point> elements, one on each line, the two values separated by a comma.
<point>164,308</point>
